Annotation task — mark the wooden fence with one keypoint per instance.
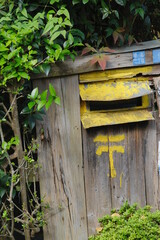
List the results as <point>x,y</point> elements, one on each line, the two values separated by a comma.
<point>86,170</point>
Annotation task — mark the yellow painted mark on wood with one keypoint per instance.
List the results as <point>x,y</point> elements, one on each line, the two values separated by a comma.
<point>112,91</point>
<point>116,138</point>
<point>121,176</point>
<point>145,101</point>
<point>115,74</point>
<point>101,149</point>
<point>83,108</point>
<point>111,149</point>
<point>95,119</point>
<point>101,139</point>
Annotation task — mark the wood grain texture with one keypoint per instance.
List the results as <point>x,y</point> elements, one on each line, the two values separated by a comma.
<point>156,81</point>
<point>114,90</point>
<point>158,154</point>
<point>120,184</point>
<point>128,74</point>
<point>133,149</point>
<point>136,163</point>
<point>97,180</point>
<point>150,152</point>
<point>60,158</point>
<point>82,64</point>
<point>94,119</point>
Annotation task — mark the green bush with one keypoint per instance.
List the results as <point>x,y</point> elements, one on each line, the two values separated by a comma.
<point>130,222</point>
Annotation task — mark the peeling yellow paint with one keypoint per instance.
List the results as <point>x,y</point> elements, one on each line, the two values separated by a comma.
<point>121,176</point>
<point>95,119</point>
<point>116,138</point>
<point>112,149</point>
<point>101,138</point>
<point>145,101</point>
<point>112,91</point>
<point>115,74</point>
<point>83,108</point>
<point>101,149</point>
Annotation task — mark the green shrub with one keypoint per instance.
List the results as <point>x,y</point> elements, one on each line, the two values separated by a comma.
<point>130,222</point>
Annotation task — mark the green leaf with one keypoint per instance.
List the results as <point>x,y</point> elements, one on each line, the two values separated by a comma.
<point>12,75</point>
<point>85,1</point>
<point>50,101</point>
<point>3,48</point>
<point>57,100</point>
<point>55,35</point>
<point>24,75</point>
<point>132,7</point>
<point>53,1</point>
<point>68,23</point>
<point>41,105</point>
<point>46,68</point>
<point>75,1</point>
<point>31,122</point>
<point>63,11</point>
<point>31,105</point>
<point>37,116</point>
<point>2,191</point>
<point>116,13</point>
<point>34,93</point>
<point>78,33</point>
<point>48,27</point>
<point>140,11</point>
<point>44,95</point>
<point>109,32</point>
<point>70,38</point>
<point>52,90</point>
<point>4,145</point>
<point>24,12</point>
<point>25,110</point>
<point>2,61</point>
<point>13,53</point>
<point>121,2</point>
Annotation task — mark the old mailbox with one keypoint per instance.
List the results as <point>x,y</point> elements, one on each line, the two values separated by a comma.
<point>101,145</point>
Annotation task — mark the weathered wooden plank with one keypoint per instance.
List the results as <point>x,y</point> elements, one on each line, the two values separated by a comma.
<point>139,47</point>
<point>97,180</point>
<point>156,81</point>
<point>114,90</point>
<point>158,155</point>
<point>118,143</point>
<point>83,64</point>
<point>116,74</point>
<point>60,158</point>
<point>150,155</point>
<point>136,163</point>
<point>95,119</point>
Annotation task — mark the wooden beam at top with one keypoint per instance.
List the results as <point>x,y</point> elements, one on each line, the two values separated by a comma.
<point>121,58</point>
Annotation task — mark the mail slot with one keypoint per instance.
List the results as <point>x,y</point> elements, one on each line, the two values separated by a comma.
<point>100,147</point>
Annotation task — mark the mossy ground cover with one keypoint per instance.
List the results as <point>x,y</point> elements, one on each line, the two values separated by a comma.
<point>130,222</point>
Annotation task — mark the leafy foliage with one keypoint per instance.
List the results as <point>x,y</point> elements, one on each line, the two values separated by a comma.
<point>35,108</point>
<point>99,56</point>
<point>130,222</point>
<point>31,38</point>
<point>108,23</point>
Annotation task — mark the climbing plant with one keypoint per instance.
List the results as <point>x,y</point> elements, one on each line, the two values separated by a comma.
<point>32,35</point>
